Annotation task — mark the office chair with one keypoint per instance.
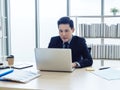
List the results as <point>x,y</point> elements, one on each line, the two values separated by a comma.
<point>89,49</point>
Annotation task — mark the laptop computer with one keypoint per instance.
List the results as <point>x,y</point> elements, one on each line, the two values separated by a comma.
<point>52,59</point>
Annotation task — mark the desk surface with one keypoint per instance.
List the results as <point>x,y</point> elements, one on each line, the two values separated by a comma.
<point>80,79</point>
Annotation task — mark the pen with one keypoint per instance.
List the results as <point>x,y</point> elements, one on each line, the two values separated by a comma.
<point>4,67</point>
<point>5,72</point>
<point>1,63</point>
<point>103,68</point>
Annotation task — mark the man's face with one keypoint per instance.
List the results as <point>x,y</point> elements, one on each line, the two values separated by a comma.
<point>65,32</point>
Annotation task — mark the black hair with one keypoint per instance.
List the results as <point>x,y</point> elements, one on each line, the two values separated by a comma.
<point>66,20</point>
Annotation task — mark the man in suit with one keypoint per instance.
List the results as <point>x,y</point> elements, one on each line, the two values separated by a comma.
<point>80,53</point>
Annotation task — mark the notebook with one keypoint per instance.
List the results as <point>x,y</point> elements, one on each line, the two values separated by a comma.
<point>22,66</point>
<point>17,66</point>
<point>52,59</point>
<point>22,76</point>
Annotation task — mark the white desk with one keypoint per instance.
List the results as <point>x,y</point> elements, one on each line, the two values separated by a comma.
<point>80,79</point>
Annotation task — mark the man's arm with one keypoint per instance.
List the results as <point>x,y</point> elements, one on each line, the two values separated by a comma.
<point>86,59</point>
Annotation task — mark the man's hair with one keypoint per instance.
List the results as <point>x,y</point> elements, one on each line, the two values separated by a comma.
<point>66,20</point>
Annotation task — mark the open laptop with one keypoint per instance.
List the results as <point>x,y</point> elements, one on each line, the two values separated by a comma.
<point>52,59</point>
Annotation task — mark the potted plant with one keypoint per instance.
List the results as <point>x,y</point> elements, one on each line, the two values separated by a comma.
<point>114,11</point>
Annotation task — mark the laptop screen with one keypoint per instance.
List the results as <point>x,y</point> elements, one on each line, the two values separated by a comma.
<point>53,59</point>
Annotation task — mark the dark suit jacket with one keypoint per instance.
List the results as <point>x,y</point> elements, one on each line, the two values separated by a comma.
<point>79,49</point>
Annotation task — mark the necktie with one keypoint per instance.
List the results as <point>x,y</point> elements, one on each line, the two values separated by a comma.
<point>66,45</point>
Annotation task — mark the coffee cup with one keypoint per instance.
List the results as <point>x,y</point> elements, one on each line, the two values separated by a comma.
<point>10,60</point>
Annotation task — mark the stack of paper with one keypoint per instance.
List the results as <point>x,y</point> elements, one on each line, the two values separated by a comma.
<point>109,74</point>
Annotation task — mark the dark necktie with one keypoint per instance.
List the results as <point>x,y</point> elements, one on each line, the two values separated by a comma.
<point>66,45</point>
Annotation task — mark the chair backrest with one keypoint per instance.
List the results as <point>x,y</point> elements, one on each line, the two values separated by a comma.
<point>89,49</point>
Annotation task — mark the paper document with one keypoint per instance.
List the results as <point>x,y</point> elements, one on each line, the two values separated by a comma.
<point>109,74</point>
<point>20,76</point>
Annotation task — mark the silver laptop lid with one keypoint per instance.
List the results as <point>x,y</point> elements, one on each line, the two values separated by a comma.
<point>53,59</point>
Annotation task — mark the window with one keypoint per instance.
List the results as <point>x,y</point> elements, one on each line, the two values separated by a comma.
<point>23,29</point>
<point>50,12</point>
<point>23,25</point>
<point>85,7</point>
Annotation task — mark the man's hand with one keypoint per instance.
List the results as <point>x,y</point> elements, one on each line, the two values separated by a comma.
<point>74,65</point>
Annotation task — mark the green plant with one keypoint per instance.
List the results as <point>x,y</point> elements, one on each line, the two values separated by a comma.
<point>114,10</point>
